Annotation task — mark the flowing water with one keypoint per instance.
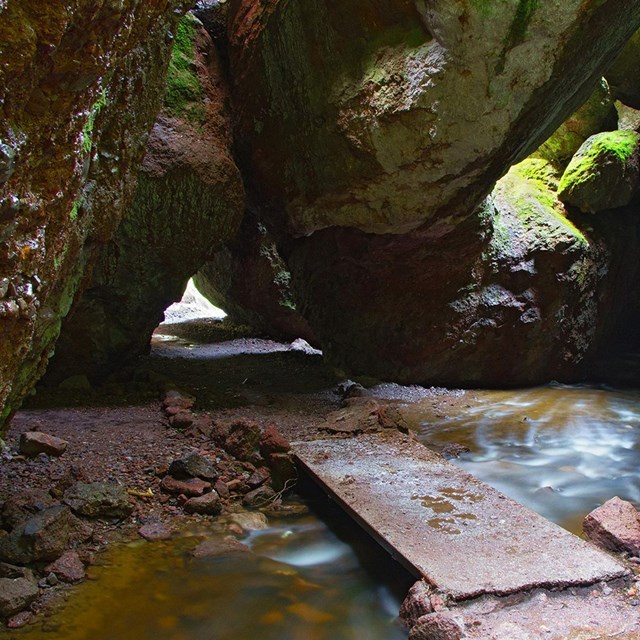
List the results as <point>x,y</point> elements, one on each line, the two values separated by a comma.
<point>561,450</point>
<point>302,580</point>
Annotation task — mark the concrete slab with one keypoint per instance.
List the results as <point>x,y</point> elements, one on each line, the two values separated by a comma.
<point>463,536</point>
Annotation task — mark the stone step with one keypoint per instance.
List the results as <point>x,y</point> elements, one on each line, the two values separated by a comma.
<point>464,537</point>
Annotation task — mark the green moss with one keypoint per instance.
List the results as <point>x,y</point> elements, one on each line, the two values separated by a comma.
<point>87,130</point>
<point>184,93</point>
<point>615,147</point>
<point>520,24</point>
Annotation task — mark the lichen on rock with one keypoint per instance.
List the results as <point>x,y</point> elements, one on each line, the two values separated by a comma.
<point>604,173</point>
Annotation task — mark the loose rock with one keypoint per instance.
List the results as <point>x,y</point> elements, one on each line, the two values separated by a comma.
<point>272,441</point>
<point>416,604</point>
<point>615,526</point>
<point>260,497</point>
<point>219,547</point>
<point>18,589</point>
<point>242,441</point>
<point>192,487</point>
<point>436,626</point>
<point>208,504</point>
<point>34,442</point>
<point>99,500</point>
<point>68,567</point>
<point>194,465</point>
<point>155,531</point>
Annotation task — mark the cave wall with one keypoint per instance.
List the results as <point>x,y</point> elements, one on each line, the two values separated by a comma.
<point>80,86</point>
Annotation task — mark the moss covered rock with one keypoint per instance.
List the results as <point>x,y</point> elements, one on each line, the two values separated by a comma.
<point>188,201</point>
<point>596,115</point>
<point>604,173</point>
<point>80,88</point>
<point>624,74</point>
<point>249,279</point>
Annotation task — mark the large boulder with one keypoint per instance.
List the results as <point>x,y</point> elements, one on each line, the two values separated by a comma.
<point>80,88</point>
<point>624,74</point>
<point>249,279</point>
<point>515,295</point>
<point>386,115</point>
<point>604,173</point>
<point>188,201</point>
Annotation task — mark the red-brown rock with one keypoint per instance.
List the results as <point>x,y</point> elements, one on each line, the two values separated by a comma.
<point>272,441</point>
<point>416,604</point>
<point>191,488</point>
<point>68,567</point>
<point>155,531</point>
<point>34,442</point>
<point>208,504</point>
<point>437,626</point>
<point>614,526</point>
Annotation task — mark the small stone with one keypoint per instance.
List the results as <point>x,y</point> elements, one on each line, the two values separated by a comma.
<point>614,526</point>
<point>260,497</point>
<point>607,590</point>
<point>250,521</point>
<point>175,398</point>
<point>222,489</point>
<point>33,443</point>
<point>192,487</point>
<point>436,626</point>
<point>20,620</point>
<point>182,420</point>
<point>68,568</point>
<point>52,579</point>
<point>194,465</point>
<point>259,477</point>
<point>219,547</point>
<point>155,531</point>
<point>242,441</point>
<point>416,604</point>
<point>208,504</point>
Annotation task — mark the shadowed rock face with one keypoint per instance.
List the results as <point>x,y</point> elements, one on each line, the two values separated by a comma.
<point>249,280</point>
<point>80,88</point>
<point>370,131</point>
<point>624,73</point>
<point>385,115</point>
<point>189,200</point>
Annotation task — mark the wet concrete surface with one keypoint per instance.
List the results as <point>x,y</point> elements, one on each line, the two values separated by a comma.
<point>463,536</point>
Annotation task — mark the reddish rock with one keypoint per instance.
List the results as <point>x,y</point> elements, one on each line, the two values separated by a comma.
<point>68,567</point>
<point>436,626</point>
<point>192,487</point>
<point>242,441</point>
<point>614,526</point>
<point>222,489</point>
<point>34,442</point>
<point>272,441</point>
<point>174,399</point>
<point>19,620</point>
<point>155,531</point>
<point>182,420</point>
<point>258,478</point>
<point>209,504</point>
<point>416,604</point>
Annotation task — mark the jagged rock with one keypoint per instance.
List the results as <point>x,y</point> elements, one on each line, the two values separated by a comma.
<point>194,465</point>
<point>68,567</point>
<point>189,200</point>
<point>34,442</point>
<point>604,173</point>
<point>80,90</point>
<point>99,500</point>
<point>614,526</point>
<point>242,439</point>
<point>416,604</point>
<point>437,626</point>
<point>272,441</point>
<point>191,488</point>
<point>209,504</point>
<point>624,74</point>
<point>249,280</point>
<point>479,305</point>
<point>44,536</point>
<point>18,589</point>
<point>597,114</point>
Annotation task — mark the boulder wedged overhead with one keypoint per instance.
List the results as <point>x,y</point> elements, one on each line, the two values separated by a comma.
<point>385,115</point>
<point>80,87</point>
<point>189,200</point>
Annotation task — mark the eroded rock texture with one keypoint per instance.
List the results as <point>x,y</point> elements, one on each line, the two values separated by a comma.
<point>80,87</point>
<point>189,199</point>
<point>249,280</point>
<point>370,132</point>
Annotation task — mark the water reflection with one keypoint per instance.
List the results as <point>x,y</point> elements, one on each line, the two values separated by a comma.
<point>561,450</point>
<point>302,580</point>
